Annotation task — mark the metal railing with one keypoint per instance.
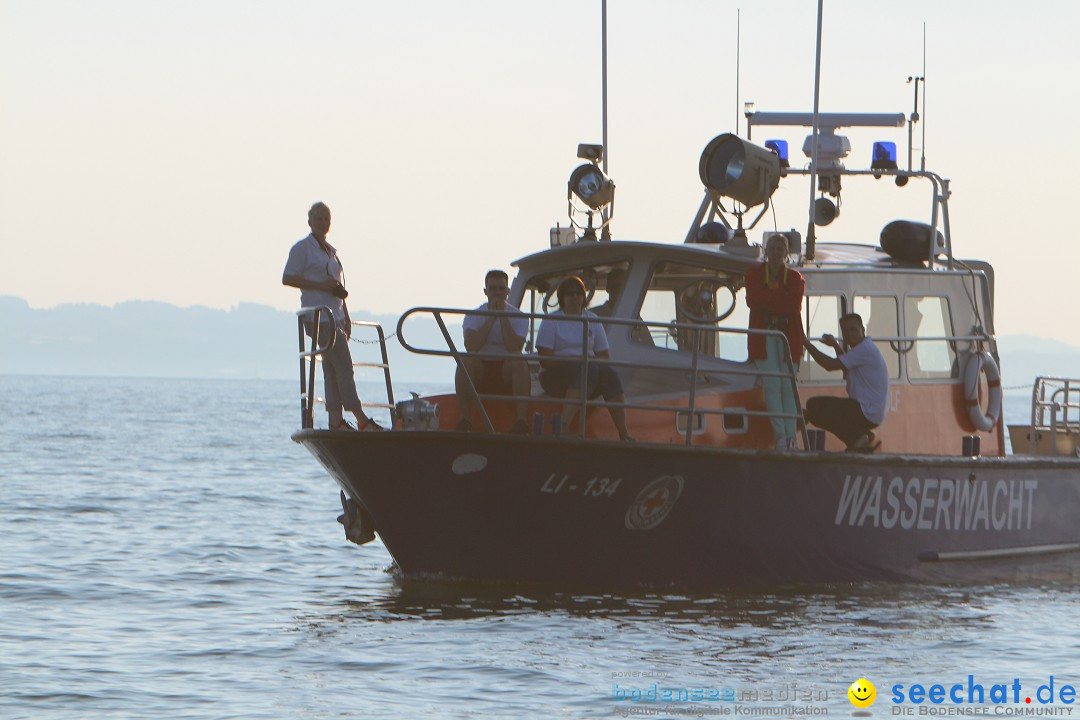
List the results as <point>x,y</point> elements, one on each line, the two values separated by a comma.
<point>1064,397</point>
<point>693,330</point>
<point>315,323</point>
<point>903,345</point>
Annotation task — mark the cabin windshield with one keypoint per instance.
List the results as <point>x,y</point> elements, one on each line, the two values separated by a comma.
<point>682,293</point>
<point>672,292</point>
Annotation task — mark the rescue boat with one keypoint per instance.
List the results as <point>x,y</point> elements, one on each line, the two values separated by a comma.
<point>703,499</point>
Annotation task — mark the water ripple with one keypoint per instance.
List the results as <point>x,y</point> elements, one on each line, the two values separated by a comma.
<point>163,565</point>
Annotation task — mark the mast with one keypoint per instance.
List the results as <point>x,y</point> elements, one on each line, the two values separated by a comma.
<point>603,80</point>
<point>605,233</point>
<point>811,238</point>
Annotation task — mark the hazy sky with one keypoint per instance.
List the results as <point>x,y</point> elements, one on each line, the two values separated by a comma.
<point>169,150</point>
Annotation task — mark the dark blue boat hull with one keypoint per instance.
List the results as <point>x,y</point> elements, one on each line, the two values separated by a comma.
<point>506,508</point>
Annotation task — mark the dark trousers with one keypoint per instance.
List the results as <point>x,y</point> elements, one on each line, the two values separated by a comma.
<point>602,380</point>
<point>841,416</point>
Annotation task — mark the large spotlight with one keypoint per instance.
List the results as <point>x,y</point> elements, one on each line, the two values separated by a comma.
<point>825,211</point>
<point>591,185</point>
<point>739,170</point>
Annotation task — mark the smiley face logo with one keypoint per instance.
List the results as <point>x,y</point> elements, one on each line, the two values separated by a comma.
<point>862,693</point>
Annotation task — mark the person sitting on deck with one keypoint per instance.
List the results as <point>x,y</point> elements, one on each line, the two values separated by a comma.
<point>563,338</point>
<point>852,418</point>
<point>499,335</point>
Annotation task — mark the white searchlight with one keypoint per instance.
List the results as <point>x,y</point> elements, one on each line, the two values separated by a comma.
<point>744,172</point>
<point>591,185</point>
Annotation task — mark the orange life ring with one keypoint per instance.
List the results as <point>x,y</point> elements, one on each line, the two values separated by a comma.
<point>982,363</point>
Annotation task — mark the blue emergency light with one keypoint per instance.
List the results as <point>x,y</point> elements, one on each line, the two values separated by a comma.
<point>884,157</point>
<point>780,148</point>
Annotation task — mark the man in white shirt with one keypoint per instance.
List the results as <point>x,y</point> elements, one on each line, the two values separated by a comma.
<point>313,267</point>
<point>852,418</point>
<point>502,334</point>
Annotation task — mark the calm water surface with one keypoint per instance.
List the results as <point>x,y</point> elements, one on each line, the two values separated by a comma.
<point>168,552</point>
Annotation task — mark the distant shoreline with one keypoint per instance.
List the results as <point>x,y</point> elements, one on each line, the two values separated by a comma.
<point>145,339</point>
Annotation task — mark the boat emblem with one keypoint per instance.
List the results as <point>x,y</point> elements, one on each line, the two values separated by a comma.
<point>468,463</point>
<point>654,502</point>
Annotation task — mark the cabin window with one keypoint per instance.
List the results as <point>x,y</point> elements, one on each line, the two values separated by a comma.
<point>880,317</point>
<point>932,355</point>
<point>821,313</point>
<point>679,293</point>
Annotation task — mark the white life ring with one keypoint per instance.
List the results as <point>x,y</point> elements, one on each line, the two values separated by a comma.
<point>982,362</point>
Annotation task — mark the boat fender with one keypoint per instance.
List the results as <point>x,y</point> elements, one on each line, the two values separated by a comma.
<point>982,363</point>
<point>909,241</point>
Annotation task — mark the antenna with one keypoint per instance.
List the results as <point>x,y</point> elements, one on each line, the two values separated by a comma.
<point>914,117</point>
<point>738,58</point>
<point>915,111</point>
<point>922,149</point>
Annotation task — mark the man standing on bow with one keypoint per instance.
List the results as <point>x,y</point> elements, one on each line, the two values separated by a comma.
<point>313,267</point>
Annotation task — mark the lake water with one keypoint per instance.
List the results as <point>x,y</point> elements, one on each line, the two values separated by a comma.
<point>167,552</point>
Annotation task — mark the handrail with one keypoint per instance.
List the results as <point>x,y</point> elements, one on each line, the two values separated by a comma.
<point>384,365</point>
<point>928,338</point>
<point>1068,387</point>
<point>1040,405</point>
<point>939,204</point>
<point>695,328</point>
<point>310,322</point>
<point>895,341</point>
<point>461,365</point>
<point>1065,405</point>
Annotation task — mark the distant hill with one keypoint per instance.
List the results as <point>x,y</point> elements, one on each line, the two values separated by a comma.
<point>1024,357</point>
<point>153,339</point>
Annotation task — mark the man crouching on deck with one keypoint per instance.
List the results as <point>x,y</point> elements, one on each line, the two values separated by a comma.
<point>852,418</point>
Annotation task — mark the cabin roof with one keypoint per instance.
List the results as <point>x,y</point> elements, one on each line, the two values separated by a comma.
<point>589,252</point>
<point>845,255</point>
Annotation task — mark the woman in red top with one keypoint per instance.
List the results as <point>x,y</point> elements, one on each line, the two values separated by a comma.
<point>774,293</point>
